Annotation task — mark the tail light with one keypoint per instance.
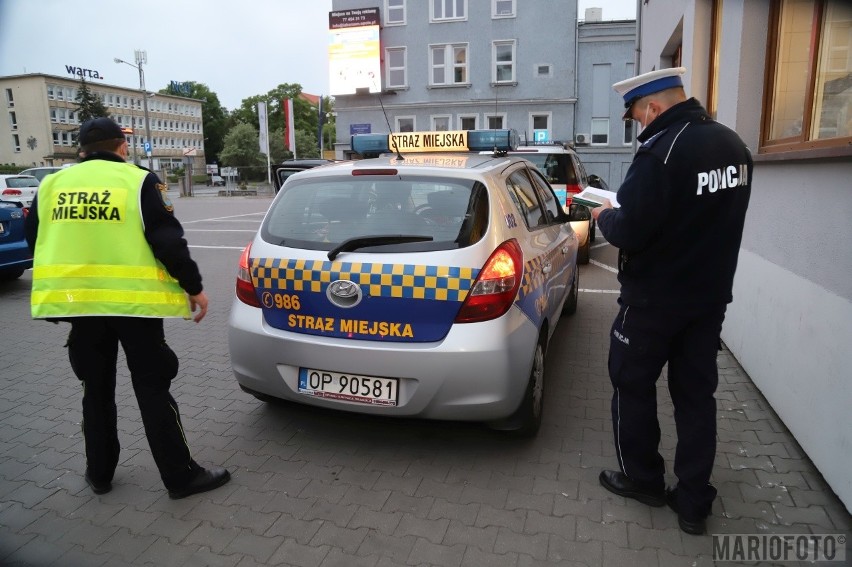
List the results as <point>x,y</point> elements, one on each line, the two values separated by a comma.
<point>15,192</point>
<point>496,285</point>
<point>245,288</point>
<point>571,189</point>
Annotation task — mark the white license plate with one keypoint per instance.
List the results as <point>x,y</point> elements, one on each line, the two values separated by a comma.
<point>349,387</point>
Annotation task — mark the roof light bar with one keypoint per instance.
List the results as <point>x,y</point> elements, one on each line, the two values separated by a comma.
<point>372,145</point>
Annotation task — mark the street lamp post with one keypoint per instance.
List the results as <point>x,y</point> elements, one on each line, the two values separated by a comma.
<point>142,59</point>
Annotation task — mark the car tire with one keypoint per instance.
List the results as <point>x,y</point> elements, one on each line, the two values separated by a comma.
<point>583,253</point>
<point>526,420</point>
<point>11,274</point>
<point>570,305</point>
<point>593,230</point>
<point>259,395</point>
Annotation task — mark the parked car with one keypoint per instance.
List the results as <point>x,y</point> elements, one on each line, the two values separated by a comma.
<point>216,181</point>
<point>288,167</point>
<point>18,189</point>
<point>40,172</point>
<point>15,256</point>
<point>427,287</point>
<point>564,170</point>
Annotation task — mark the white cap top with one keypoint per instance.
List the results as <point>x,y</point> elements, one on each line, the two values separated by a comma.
<point>649,83</point>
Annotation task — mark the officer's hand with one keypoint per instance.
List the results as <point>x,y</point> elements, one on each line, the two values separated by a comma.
<point>200,301</point>
<point>597,210</point>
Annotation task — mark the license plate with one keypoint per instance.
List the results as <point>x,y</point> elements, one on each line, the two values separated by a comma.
<point>349,387</point>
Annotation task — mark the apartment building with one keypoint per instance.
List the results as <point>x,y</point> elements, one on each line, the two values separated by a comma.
<point>41,122</point>
<point>464,65</point>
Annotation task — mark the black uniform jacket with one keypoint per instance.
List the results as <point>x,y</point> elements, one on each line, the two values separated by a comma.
<point>162,230</point>
<point>683,206</point>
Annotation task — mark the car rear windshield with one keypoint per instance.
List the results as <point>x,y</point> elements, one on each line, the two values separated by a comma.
<point>557,168</point>
<point>321,213</point>
<point>18,182</point>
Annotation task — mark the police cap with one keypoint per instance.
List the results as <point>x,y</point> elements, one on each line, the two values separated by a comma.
<point>648,83</point>
<point>98,130</point>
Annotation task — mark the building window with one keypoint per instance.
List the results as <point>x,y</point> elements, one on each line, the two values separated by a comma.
<point>443,10</point>
<point>449,64</point>
<point>441,123</point>
<point>600,131</point>
<point>13,120</point>
<point>810,90</point>
<point>468,121</point>
<point>628,132</point>
<point>540,126</point>
<point>503,57</point>
<point>502,8</point>
<point>395,59</point>
<point>394,12</point>
<point>16,143</point>
<point>495,121</point>
<point>50,94</point>
<point>404,124</point>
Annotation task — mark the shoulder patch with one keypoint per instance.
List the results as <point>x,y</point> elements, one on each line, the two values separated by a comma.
<point>164,197</point>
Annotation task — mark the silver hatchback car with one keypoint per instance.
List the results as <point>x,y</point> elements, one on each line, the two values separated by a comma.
<point>411,284</point>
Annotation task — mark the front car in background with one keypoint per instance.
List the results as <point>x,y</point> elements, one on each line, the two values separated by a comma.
<point>412,284</point>
<point>19,189</point>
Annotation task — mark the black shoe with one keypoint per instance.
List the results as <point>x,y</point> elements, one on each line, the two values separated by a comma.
<point>98,487</point>
<point>206,479</point>
<point>618,483</point>
<point>692,527</point>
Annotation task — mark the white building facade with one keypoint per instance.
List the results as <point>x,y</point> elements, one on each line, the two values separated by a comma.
<point>41,123</point>
<point>780,73</point>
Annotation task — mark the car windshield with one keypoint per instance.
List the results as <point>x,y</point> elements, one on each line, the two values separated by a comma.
<point>322,213</point>
<point>555,167</point>
<point>19,182</point>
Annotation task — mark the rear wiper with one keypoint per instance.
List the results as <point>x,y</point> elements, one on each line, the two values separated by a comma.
<point>378,240</point>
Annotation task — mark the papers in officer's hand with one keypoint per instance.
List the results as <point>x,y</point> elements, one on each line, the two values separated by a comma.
<point>593,197</point>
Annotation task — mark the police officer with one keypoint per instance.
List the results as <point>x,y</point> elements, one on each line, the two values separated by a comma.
<point>110,258</point>
<point>678,230</point>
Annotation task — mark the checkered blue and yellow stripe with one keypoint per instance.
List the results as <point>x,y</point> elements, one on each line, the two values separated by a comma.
<point>443,283</point>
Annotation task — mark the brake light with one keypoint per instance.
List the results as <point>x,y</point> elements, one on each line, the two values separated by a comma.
<point>496,285</point>
<point>245,288</point>
<point>12,192</point>
<point>571,189</point>
<point>375,171</point>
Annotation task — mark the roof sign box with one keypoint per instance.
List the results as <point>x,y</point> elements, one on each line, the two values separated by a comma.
<point>424,142</point>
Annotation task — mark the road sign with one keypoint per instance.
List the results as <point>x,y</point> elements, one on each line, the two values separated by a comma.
<point>212,168</point>
<point>541,136</point>
<point>147,147</point>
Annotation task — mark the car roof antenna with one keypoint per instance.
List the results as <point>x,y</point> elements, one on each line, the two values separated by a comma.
<point>393,140</point>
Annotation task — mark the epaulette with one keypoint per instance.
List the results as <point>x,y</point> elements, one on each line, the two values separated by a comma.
<point>650,141</point>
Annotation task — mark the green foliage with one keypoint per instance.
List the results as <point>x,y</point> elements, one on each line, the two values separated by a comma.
<point>306,145</point>
<point>277,151</point>
<point>242,148</point>
<point>88,104</point>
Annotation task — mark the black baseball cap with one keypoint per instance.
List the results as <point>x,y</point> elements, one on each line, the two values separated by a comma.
<point>98,130</point>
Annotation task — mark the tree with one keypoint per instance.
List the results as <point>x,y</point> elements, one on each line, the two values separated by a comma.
<point>89,105</point>
<point>241,149</point>
<point>306,144</point>
<point>214,116</point>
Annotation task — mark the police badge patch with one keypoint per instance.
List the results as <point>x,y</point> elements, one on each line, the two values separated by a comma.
<point>164,197</point>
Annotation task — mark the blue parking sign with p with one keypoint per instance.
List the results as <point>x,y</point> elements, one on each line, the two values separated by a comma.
<point>541,136</point>
<point>147,147</point>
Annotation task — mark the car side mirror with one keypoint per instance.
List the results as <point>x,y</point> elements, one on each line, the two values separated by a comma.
<point>577,212</point>
<point>596,181</point>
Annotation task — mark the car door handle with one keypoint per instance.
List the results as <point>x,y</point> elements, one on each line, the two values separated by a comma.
<point>546,268</point>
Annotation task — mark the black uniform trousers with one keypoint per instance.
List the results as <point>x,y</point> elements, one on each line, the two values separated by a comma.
<point>642,341</point>
<point>93,350</point>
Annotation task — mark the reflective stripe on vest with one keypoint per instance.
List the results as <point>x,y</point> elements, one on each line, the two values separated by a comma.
<point>91,255</point>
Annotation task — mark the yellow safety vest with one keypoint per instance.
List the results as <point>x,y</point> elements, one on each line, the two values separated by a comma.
<point>91,256</point>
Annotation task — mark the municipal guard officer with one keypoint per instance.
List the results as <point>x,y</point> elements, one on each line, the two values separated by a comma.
<point>110,258</point>
<point>678,230</point>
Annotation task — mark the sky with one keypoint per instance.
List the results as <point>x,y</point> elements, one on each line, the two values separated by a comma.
<point>237,48</point>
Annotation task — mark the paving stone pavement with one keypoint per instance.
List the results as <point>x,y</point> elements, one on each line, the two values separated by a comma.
<point>319,489</point>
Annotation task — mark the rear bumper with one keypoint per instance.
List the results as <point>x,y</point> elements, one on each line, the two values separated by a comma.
<point>15,256</point>
<point>478,372</point>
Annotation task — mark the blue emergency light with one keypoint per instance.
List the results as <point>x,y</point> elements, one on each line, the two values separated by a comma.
<point>372,145</point>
